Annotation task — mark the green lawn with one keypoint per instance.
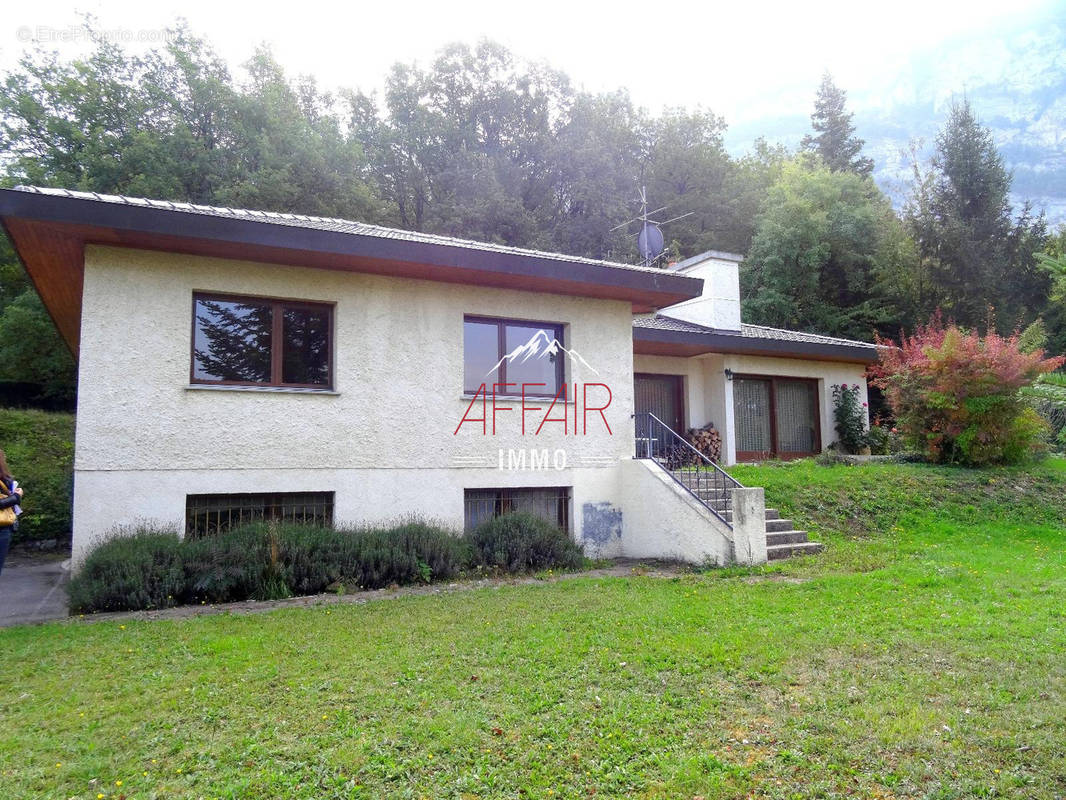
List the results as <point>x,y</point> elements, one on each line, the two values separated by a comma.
<point>923,655</point>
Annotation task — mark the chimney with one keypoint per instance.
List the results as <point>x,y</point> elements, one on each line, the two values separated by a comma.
<point>719,305</point>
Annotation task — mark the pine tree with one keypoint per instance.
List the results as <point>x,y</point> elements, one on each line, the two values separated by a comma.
<point>835,140</point>
<point>980,257</point>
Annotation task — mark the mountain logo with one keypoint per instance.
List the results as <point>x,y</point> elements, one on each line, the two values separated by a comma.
<point>541,346</point>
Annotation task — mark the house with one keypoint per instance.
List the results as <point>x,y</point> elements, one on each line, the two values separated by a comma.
<point>767,390</point>
<point>237,365</point>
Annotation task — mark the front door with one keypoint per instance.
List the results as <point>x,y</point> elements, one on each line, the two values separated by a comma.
<point>775,417</point>
<point>661,396</point>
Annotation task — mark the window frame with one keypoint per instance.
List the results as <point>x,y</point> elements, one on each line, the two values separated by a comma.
<point>775,451</point>
<point>277,353</point>
<point>274,506</point>
<point>504,499</point>
<point>501,323</point>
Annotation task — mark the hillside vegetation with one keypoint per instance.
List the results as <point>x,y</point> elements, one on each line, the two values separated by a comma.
<point>842,501</point>
<point>40,453</point>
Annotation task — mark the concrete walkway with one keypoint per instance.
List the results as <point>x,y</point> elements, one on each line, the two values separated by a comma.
<point>33,589</point>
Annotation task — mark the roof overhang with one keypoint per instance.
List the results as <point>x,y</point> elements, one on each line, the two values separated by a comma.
<point>658,342</point>
<point>50,233</point>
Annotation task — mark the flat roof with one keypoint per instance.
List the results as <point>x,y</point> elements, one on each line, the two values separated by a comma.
<point>50,228</point>
<point>659,334</point>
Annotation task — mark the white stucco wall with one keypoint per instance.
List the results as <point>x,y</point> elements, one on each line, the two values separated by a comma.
<point>665,521</point>
<point>385,441</point>
<point>719,304</point>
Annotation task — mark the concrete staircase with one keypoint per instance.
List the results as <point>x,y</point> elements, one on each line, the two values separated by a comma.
<point>782,539</point>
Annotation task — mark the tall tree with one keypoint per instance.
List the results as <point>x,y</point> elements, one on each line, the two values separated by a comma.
<point>174,125</point>
<point>1053,261</point>
<point>595,162</point>
<point>823,242</point>
<point>834,138</point>
<point>979,258</point>
<point>688,170</point>
<point>462,148</point>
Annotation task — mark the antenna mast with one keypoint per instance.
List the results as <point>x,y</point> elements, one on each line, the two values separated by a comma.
<point>650,240</point>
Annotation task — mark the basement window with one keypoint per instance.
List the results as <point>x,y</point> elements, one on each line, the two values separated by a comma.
<point>210,514</point>
<point>548,503</point>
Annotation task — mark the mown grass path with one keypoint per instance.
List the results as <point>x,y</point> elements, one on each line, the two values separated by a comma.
<point>924,655</point>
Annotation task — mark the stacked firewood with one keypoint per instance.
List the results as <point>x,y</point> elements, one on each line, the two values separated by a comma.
<point>707,440</point>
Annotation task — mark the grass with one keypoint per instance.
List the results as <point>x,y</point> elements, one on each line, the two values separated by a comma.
<point>920,656</point>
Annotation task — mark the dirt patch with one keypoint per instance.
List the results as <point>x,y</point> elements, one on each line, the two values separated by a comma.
<point>774,577</point>
<point>24,556</point>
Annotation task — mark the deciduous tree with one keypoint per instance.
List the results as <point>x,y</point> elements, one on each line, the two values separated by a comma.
<point>823,241</point>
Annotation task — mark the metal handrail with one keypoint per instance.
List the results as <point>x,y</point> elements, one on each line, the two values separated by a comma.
<point>685,464</point>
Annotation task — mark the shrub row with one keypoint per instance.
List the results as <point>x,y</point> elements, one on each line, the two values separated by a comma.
<point>149,568</point>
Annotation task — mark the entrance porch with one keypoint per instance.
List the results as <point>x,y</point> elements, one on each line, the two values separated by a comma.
<point>763,408</point>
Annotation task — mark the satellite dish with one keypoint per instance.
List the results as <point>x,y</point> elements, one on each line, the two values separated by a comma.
<point>650,238</point>
<point>650,241</point>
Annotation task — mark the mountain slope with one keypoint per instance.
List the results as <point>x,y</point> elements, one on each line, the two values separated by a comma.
<point>1016,82</point>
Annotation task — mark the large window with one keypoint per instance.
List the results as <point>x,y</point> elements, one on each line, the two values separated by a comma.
<point>208,514</point>
<point>250,341</point>
<point>775,417</point>
<point>551,503</point>
<point>501,351</point>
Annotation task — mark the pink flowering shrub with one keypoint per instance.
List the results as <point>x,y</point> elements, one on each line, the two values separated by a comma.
<point>956,397</point>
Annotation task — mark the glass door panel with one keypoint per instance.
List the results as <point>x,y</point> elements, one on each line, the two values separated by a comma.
<point>795,416</point>
<point>751,416</point>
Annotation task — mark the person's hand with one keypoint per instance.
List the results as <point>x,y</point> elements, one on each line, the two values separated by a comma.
<point>19,491</point>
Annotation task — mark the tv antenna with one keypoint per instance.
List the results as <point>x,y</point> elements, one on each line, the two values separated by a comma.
<point>650,240</point>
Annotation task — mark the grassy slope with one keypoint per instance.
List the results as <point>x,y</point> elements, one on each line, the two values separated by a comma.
<point>922,656</point>
<point>40,451</point>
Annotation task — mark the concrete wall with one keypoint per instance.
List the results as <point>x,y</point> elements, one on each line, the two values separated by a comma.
<point>384,441</point>
<point>665,521</point>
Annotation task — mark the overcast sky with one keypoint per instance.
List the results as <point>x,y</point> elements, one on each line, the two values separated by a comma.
<point>744,60</point>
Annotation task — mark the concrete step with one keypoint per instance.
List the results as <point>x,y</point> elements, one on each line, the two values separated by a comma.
<point>713,491</point>
<point>777,551</point>
<point>718,505</point>
<point>703,485</point>
<point>786,537</point>
<point>772,514</point>
<point>778,524</point>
